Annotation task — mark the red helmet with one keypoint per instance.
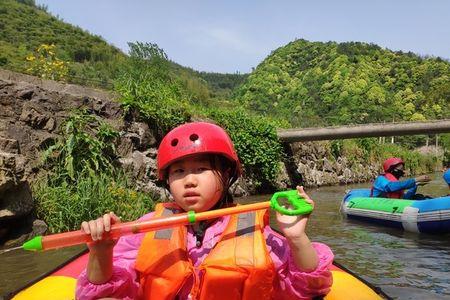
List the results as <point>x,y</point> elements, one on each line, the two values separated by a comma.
<point>391,162</point>
<point>196,138</point>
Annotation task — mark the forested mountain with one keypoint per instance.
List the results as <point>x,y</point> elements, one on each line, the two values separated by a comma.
<point>215,85</point>
<point>315,83</point>
<point>223,84</point>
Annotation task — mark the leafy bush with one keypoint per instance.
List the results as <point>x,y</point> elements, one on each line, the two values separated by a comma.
<point>23,28</point>
<point>82,183</point>
<point>445,142</point>
<point>148,87</point>
<point>86,146</point>
<point>256,142</point>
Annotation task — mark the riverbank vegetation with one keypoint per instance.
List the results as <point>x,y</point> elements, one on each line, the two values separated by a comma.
<point>81,182</point>
<point>369,151</point>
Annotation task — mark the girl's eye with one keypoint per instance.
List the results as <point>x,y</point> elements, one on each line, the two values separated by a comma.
<point>178,171</point>
<point>202,169</point>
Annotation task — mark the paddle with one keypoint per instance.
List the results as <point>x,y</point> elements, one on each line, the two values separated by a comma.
<point>300,207</point>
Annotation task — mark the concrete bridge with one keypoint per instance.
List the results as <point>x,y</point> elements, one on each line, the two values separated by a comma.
<point>366,130</point>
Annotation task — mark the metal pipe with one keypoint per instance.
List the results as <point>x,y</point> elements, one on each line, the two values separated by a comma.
<point>366,130</point>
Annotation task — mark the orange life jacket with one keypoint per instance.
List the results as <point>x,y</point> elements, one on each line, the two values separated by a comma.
<point>238,267</point>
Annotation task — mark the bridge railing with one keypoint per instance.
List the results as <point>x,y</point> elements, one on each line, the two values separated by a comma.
<point>366,130</point>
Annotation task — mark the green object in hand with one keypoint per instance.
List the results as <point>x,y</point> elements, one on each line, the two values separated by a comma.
<point>300,206</point>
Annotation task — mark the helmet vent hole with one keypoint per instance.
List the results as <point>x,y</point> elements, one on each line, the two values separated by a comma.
<point>174,142</point>
<point>193,137</point>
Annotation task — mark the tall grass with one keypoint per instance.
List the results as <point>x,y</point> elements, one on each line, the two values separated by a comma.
<point>82,183</point>
<point>369,151</point>
<point>87,145</point>
<point>415,162</point>
<point>64,206</point>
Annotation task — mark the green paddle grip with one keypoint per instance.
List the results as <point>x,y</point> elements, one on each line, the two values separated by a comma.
<point>300,206</point>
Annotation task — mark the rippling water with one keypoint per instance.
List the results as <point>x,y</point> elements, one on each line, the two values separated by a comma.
<point>404,265</point>
<point>20,267</point>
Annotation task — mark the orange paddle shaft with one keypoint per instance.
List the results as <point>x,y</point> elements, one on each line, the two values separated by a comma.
<point>71,238</point>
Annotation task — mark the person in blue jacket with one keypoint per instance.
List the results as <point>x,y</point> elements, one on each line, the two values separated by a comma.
<point>446,177</point>
<point>389,185</point>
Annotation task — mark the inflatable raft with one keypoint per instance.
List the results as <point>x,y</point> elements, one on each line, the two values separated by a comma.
<point>60,284</point>
<point>428,215</point>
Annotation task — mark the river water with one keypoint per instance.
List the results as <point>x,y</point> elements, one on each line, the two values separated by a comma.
<point>404,265</point>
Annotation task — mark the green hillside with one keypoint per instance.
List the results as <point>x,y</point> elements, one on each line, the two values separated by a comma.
<point>314,83</point>
<point>24,26</point>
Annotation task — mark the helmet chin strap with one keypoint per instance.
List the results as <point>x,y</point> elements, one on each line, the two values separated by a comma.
<point>199,232</point>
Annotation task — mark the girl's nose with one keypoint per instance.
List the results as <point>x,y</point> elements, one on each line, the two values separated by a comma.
<point>190,179</point>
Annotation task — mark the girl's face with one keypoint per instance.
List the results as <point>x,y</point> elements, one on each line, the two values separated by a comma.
<point>194,183</point>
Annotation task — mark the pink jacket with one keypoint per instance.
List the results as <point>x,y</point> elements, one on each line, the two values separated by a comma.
<point>124,283</point>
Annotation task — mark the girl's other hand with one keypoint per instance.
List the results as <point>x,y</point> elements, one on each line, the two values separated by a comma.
<point>97,227</point>
<point>293,227</point>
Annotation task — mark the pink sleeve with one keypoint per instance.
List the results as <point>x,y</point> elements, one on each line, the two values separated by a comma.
<point>290,282</point>
<point>123,283</point>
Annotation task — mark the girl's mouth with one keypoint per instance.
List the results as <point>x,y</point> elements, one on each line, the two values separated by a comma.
<point>191,197</point>
<point>191,194</point>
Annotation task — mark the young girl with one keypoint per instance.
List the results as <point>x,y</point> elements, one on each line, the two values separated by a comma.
<point>232,257</point>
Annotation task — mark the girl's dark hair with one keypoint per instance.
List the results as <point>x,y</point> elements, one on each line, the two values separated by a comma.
<point>224,170</point>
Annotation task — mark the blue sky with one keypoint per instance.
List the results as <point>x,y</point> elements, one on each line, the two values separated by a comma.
<point>234,36</point>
